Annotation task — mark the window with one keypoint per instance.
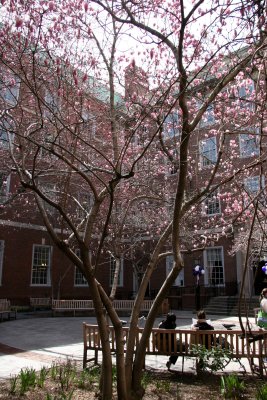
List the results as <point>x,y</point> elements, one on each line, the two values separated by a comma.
<point>208,117</point>
<point>79,279</point>
<point>138,136</point>
<point>41,265</point>
<point>1,258</point>
<point>170,126</point>
<point>249,143</point>
<point>252,186</point>
<point>208,151</point>
<point>245,91</point>
<point>9,88</point>
<point>52,105</point>
<point>173,165</point>
<point>50,191</point>
<point>5,132</point>
<point>112,271</point>
<point>179,281</point>
<point>86,202</point>
<point>4,186</point>
<point>89,124</point>
<point>212,204</point>
<point>214,268</point>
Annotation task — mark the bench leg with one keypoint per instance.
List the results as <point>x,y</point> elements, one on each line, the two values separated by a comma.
<point>84,358</point>
<point>96,356</point>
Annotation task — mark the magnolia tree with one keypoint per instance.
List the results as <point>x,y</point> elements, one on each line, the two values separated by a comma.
<point>111,162</point>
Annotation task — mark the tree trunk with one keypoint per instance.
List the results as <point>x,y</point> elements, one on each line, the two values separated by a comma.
<point>141,349</point>
<point>106,370</point>
<point>123,393</point>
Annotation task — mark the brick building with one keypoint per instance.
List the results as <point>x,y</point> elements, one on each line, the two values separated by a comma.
<point>31,265</point>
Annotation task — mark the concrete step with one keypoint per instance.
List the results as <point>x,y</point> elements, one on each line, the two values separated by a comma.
<point>223,305</point>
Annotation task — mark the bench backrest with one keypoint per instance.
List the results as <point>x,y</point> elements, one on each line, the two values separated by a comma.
<point>183,344</point>
<point>72,304</point>
<point>128,305</point>
<point>88,304</point>
<point>5,305</point>
<point>40,301</point>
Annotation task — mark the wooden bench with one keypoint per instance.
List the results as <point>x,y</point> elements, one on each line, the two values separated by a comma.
<point>238,347</point>
<point>72,305</point>
<point>87,305</point>
<point>40,302</point>
<point>5,309</point>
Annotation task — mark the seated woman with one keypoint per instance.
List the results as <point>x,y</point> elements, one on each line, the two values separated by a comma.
<point>169,323</point>
<point>202,325</point>
<point>262,314</point>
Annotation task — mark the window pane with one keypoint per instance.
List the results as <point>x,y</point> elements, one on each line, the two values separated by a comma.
<point>112,271</point>
<point>79,279</point>
<point>41,265</point>
<point>170,126</point>
<point>3,187</point>
<point>208,151</point>
<point>208,117</point>
<point>5,132</point>
<point>215,266</point>
<point>212,204</point>
<point>9,88</point>
<point>249,144</point>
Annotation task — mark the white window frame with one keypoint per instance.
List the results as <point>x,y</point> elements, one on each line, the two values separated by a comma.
<point>253,187</point>
<point>208,151</point>
<point>208,279</point>
<point>249,143</point>
<point>5,133</point>
<point>47,280</point>
<point>179,281</point>
<point>212,201</point>
<point>252,184</point>
<point>112,266</point>
<point>86,201</point>
<point>171,126</point>
<point>78,275</point>
<point>89,123</point>
<point>9,93</point>
<point>208,117</point>
<point>2,248</point>
<point>52,104</point>
<point>49,190</point>
<point>4,187</point>
<point>245,90</point>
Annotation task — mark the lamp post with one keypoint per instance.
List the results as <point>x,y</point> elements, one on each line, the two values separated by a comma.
<point>197,272</point>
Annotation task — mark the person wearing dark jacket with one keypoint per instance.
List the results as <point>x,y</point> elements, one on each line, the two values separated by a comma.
<point>203,325</point>
<point>169,323</point>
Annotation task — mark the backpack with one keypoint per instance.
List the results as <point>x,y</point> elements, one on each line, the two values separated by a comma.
<point>262,319</point>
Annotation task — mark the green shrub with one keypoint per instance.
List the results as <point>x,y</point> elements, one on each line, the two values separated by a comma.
<point>27,379</point>
<point>146,380</point>
<point>42,377</point>
<point>262,392</point>
<point>163,386</point>
<point>13,384</point>
<point>232,387</point>
<point>214,359</point>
